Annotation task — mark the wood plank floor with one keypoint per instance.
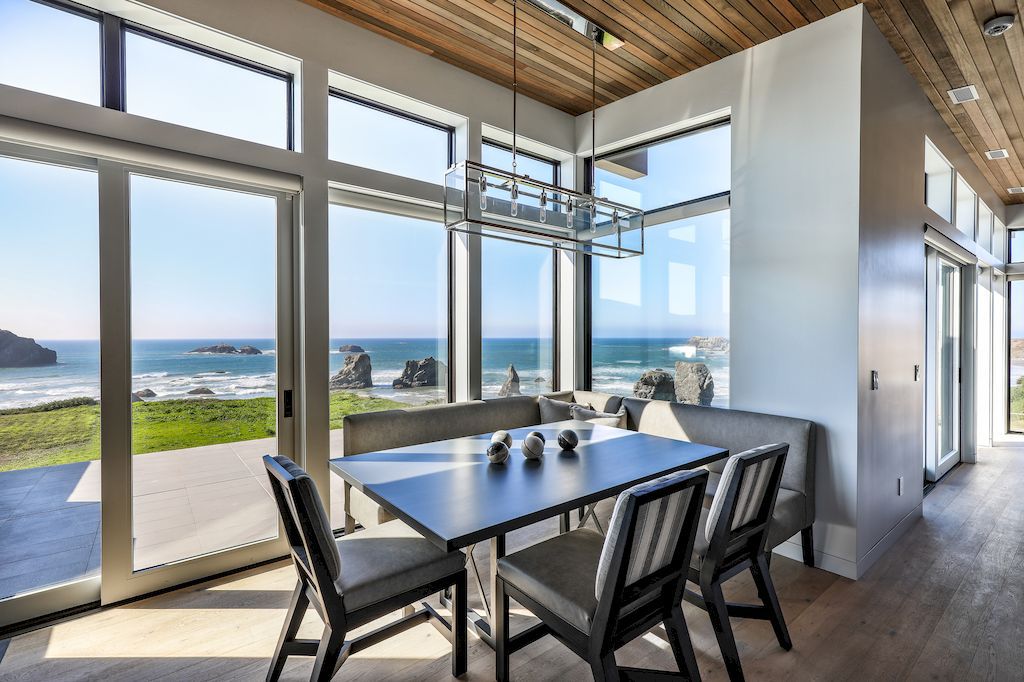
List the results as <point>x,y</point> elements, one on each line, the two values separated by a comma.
<point>947,603</point>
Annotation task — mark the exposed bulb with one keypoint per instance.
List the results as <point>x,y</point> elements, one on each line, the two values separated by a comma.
<point>514,197</point>
<point>615,219</point>
<point>483,192</point>
<point>593,217</point>
<point>543,205</point>
<point>570,212</point>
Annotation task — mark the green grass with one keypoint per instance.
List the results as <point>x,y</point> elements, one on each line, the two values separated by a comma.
<point>60,433</point>
<point>1017,406</point>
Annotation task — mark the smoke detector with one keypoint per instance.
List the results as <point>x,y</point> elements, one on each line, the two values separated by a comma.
<point>997,26</point>
<point>968,93</point>
<point>994,154</point>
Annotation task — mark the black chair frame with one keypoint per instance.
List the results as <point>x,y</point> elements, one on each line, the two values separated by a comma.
<point>612,626</point>
<point>730,552</point>
<point>316,588</point>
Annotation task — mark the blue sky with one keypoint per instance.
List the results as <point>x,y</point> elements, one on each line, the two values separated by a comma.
<point>203,259</point>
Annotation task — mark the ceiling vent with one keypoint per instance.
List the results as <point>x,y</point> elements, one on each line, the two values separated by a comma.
<point>994,154</point>
<point>1015,190</point>
<point>968,93</point>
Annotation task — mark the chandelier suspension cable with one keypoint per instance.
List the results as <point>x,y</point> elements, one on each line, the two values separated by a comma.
<point>515,77</point>
<point>593,112</point>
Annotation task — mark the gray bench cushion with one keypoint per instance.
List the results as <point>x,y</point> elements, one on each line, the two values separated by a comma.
<point>388,560</point>
<point>736,430</point>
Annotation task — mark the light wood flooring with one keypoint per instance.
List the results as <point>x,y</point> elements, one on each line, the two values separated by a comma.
<point>947,603</point>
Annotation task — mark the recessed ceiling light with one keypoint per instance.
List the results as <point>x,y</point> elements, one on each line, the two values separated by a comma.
<point>994,154</point>
<point>1015,190</point>
<point>968,93</point>
<point>997,26</point>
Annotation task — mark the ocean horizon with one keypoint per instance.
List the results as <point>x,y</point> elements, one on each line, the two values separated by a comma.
<point>168,368</point>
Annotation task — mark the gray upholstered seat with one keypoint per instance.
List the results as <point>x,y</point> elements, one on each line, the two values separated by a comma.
<point>389,559</point>
<point>596,593</point>
<point>559,572</point>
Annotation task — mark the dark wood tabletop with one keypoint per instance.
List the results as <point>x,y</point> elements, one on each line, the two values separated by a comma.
<point>453,496</point>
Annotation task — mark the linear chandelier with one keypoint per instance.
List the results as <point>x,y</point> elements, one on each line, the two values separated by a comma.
<point>491,202</point>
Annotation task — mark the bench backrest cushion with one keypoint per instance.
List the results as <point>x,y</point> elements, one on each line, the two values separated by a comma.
<point>736,430</point>
<point>373,431</point>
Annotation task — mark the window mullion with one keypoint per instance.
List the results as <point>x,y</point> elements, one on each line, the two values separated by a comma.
<point>112,48</point>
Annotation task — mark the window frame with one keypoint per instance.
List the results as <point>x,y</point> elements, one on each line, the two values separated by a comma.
<point>953,175</point>
<point>556,340</point>
<point>689,208</point>
<point>112,32</point>
<point>399,113</point>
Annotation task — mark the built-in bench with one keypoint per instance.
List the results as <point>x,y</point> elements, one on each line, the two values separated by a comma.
<point>733,429</point>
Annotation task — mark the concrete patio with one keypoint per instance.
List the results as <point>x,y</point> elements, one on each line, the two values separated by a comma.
<point>186,503</point>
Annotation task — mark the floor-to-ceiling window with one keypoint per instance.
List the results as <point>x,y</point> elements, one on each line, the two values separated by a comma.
<point>660,322</point>
<point>517,299</point>
<point>49,375</point>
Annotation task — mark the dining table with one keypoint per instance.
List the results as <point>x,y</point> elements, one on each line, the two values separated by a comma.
<point>451,494</point>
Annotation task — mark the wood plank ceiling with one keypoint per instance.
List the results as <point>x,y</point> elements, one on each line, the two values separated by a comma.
<point>940,41</point>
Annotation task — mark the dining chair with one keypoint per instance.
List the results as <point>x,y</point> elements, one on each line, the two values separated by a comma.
<point>596,593</point>
<point>732,539</point>
<point>352,581</point>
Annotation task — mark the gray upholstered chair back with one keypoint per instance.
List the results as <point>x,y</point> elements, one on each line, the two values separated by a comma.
<point>651,531</point>
<point>306,524</point>
<point>746,494</point>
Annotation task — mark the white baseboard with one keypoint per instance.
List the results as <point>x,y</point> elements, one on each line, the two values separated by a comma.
<point>888,540</point>
<point>826,562</point>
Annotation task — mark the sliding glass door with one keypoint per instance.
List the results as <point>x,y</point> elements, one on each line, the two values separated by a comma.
<point>205,367</point>
<point>49,386</point>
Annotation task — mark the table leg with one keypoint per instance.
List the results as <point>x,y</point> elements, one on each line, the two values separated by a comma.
<point>564,523</point>
<point>497,552</point>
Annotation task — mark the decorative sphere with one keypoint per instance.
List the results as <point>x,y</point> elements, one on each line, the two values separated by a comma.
<point>497,453</point>
<point>502,437</point>
<point>538,434</point>
<point>533,447</point>
<point>568,439</point>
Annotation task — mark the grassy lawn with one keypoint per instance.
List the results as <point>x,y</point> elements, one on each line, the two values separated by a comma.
<point>60,433</point>
<point>1017,407</point>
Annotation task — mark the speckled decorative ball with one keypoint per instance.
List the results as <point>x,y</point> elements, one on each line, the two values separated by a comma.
<point>568,439</point>
<point>497,453</point>
<point>533,447</point>
<point>538,434</point>
<point>502,437</point>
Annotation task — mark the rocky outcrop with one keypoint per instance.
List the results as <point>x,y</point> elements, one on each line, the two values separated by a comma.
<point>144,393</point>
<point>202,390</point>
<point>227,349</point>
<point>17,351</point>
<point>351,348</point>
<point>420,373</point>
<point>694,383</point>
<point>511,385</point>
<point>1017,349</point>
<point>710,344</point>
<point>655,384</point>
<point>357,372</point>
<point>137,399</point>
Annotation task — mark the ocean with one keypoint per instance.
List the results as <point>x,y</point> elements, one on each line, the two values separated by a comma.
<point>167,368</point>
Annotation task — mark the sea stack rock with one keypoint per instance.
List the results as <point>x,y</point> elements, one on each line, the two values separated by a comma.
<point>217,349</point>
<point>249,350</point>
<point>420,373</point>
<point>202,390</point>
<point>357,372</point>
<point>351,348</point>
<point>655,384</point>
<point>694,383</point>
<point>17,351</point>
<point>511,385</point>
<point>144,393</point>
<point>710,344</point>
